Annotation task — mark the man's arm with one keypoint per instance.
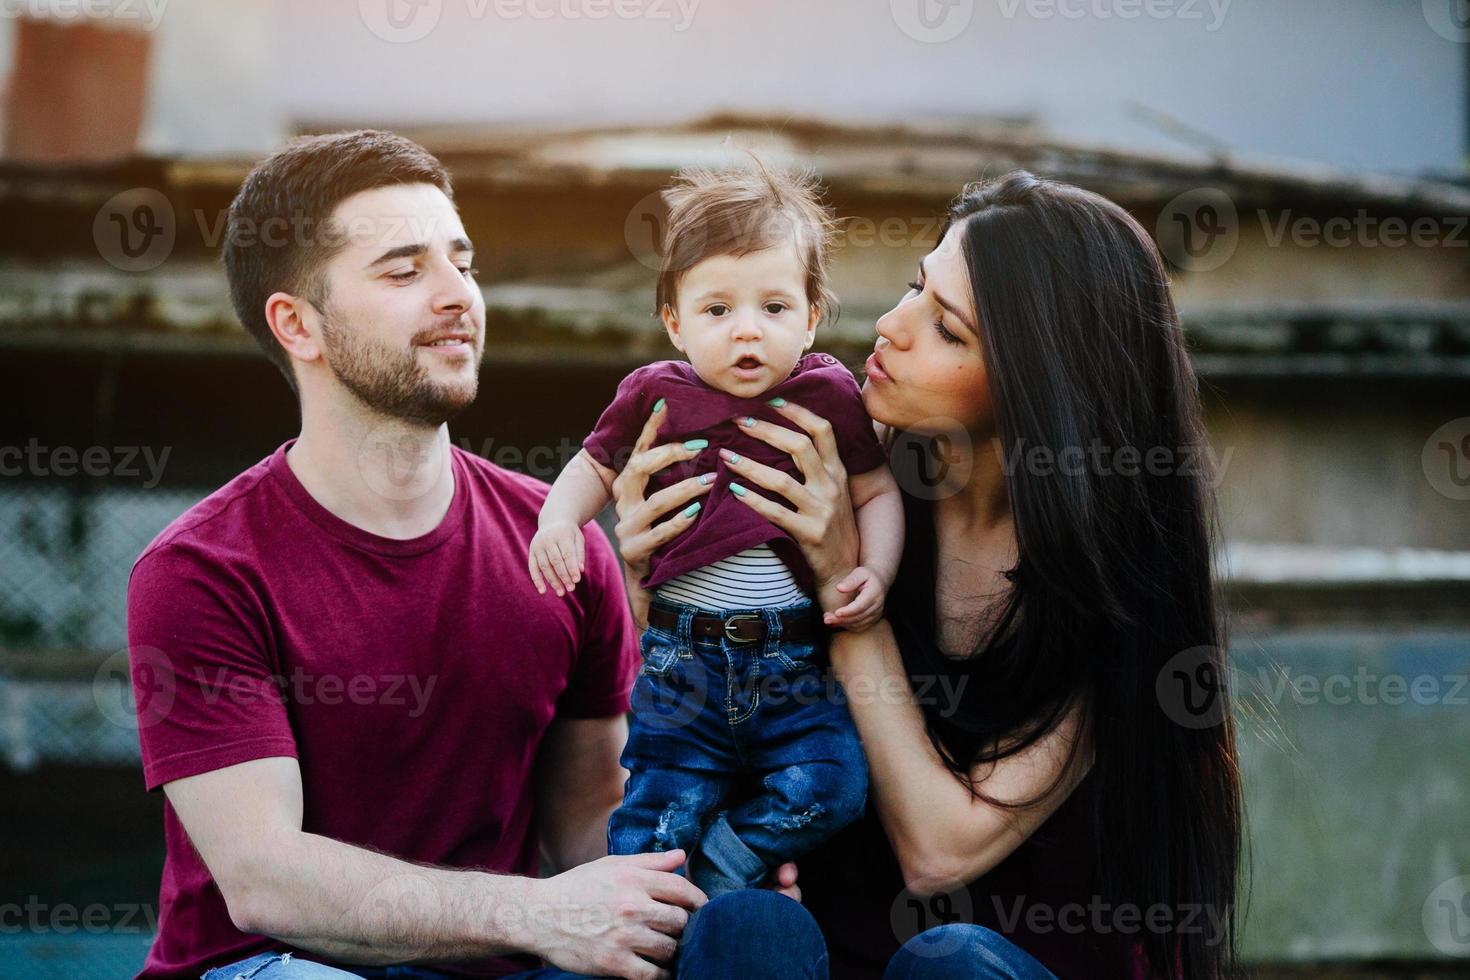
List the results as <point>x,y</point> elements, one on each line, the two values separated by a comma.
<point>359,906</point>
<point>579,782</point>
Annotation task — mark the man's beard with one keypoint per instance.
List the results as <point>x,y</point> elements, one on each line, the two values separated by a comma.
<point>392,382</point>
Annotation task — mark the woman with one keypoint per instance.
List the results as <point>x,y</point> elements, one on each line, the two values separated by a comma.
<point>1042,802</point>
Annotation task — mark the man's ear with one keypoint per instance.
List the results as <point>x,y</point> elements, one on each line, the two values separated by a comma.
<point>671,325</point>
<point>295,324</point>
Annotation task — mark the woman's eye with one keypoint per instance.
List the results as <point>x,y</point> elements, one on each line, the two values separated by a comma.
<point>403,276</point>
<point>775,309</point>
<point>469,272</point>
<point>917,287</point>
<point>945,335</point>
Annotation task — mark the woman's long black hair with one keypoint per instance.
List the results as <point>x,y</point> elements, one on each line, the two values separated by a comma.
<point>1112,587</point>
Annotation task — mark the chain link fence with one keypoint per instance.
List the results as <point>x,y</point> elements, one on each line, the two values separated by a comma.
<point>65,556</point>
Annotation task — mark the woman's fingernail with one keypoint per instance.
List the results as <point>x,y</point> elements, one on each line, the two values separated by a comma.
<point>748,421</point>
<point>707,479</point>
<point>691,510</point>
<point>696,444</point>
<point>776,402</point>
<point>729,456</point>
<point>737,490</point>
<point>658,406</point>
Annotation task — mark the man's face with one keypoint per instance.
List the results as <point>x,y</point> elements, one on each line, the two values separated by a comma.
<point>403,321</point>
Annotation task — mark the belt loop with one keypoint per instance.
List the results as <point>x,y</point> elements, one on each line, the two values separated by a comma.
<point>772,615</point>
<point>686,626</point>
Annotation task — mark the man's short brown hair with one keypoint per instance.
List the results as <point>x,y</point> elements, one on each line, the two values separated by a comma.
<point>738,211</point>
<point>279,237</point>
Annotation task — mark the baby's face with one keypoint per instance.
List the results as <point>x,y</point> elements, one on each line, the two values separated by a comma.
<point>744,321</point>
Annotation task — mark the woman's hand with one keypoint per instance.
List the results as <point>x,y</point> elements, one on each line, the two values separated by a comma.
<point>637,536</point>
<point>822,523</point>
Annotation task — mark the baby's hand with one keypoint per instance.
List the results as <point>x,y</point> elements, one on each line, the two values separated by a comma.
<point>557,555</point>
<point>866,607</point>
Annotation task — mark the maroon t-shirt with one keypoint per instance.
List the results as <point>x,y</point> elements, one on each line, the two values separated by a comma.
<point>412,679</point>
<point>694,410</point>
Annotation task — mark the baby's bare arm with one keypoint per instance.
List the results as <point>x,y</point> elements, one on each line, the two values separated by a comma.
<point>879,512</point>
<point>579,493</point>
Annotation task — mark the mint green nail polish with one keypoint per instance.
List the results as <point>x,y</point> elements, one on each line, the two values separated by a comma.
<point>696,444</point>
<point>706,480</point>
<point>748,421</point>
<point>734,457</point>
<point>776,402</point>
<point>737,490</point>
<point>691,510</point>
<point>658,406</point>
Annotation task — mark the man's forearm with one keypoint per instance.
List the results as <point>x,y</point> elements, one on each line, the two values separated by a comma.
<point>359,906</point>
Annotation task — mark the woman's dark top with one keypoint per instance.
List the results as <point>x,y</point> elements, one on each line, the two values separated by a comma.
<point>1041,897</point>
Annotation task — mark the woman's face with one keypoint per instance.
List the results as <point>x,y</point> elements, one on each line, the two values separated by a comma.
<point>927,371</point>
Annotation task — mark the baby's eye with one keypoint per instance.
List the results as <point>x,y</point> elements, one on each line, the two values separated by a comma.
<point>719,309</point>
<point>775,309</point>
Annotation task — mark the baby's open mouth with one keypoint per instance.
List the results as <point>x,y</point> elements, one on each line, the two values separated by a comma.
<point>749,363</point>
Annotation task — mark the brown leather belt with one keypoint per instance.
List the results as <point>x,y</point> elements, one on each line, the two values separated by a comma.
<point>741,627</point>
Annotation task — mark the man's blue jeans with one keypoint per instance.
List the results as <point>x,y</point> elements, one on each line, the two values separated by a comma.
<point>739,936</point>
<point>708,712</point>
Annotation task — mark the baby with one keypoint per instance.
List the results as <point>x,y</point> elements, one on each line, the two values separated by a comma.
<point>734,636</point>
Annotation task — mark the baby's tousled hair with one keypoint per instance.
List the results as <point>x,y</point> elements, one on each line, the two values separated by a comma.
<point>739,210</point>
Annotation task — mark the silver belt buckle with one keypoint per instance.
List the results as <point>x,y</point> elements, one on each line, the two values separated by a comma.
<point>730,622</point>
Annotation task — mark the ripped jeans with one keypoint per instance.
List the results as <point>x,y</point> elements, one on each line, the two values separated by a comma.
<point>710,715</point>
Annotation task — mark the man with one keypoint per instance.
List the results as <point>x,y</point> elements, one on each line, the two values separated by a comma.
<point>368,725</point>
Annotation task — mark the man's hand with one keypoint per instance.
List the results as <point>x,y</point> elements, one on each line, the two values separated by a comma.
<point>618,916</point>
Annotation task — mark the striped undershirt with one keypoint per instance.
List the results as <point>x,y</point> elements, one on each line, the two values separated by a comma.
<point>752,579</point>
